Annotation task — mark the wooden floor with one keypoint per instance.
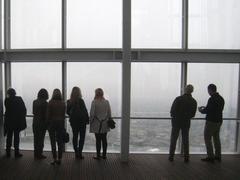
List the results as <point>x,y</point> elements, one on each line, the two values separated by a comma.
<point>139,167</point>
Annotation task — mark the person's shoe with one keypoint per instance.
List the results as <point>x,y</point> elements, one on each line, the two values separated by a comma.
<point>42,157</point>
<point>53,162</point>
<point>219,159</point>
<point>208,160</point>
<point>58,162</point>
<point>97,157</point>
<point>104,157</point>
<point>77,156</point>
<point>8,153</point>
<point>170,158</point>
<point>81,157</point>
<point>18,155</point>
<point>186,159</point>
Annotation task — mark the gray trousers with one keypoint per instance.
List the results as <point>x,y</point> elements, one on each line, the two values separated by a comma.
<point>212,131</point>
<point>185,140</point>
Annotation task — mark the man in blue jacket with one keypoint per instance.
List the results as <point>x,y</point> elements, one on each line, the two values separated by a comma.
<point>213,112</point>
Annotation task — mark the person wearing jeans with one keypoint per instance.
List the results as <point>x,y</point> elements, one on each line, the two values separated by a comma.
<point>78,117</point>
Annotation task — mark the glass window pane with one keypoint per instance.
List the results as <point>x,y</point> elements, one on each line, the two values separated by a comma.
<point>3,81</point>
<point>89,76</point>
<point>224,76</point>
<point>2,25</point>
<point>227,136</point>
<point>156,23</point>
<point>154,87</point>
<point>94,24</point>
<point>27,138</point>
<point>35,24</point>
<point>113,139</point>
<point>27,80</point>
<point>150,136</point>
<point>214,24</point>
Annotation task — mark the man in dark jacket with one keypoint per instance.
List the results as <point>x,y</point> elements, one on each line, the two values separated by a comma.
<point>15,121</point>
<point>213,112</point>
<point>183,109</point>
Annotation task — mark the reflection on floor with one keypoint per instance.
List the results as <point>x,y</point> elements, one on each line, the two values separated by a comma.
<point>139,167</point>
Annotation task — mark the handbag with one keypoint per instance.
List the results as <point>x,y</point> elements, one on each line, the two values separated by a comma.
<point>111,123</point>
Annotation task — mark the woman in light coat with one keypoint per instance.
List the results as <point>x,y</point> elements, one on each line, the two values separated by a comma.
<point>99,115</point>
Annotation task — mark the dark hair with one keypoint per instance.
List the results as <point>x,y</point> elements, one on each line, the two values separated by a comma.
<point>11,92</point>
<point>43,94</point>
<point>212,87</point>
<point>56,94</point>
<point>75,94</point>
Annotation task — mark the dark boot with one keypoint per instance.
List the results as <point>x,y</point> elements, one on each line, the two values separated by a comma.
<point>76,155</point>
<point>18,154</point>
<point>186,159</point>
<point>8,153</point>
<point>80,155</point>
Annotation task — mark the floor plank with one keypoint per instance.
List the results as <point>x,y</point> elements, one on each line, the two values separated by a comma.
<point>139,167</point>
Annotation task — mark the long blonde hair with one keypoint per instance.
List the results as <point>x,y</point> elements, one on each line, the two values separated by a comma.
<point>99,94</point>
<point>75,94</point>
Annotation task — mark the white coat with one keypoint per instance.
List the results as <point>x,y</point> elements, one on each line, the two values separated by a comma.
<point>99,114</point>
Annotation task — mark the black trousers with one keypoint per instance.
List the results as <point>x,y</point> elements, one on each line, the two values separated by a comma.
<point>101,139</point>
<point>10,134</point>
<point>185,140</point>
<point>39,136</point>
<point>78,144</point>
<point>56,137</point>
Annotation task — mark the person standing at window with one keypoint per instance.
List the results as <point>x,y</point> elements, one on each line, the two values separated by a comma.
<point>78,117</point>
<point>213,124</point>
<point>99,114</point>
<point>15,121</point>
<point>40,122</point>
<point>183,109</point>
<point>56,116</point>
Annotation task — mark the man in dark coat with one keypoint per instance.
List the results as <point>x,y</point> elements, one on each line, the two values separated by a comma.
<point>213,112</point>
<point>183,109</point>
<point>15,121</point>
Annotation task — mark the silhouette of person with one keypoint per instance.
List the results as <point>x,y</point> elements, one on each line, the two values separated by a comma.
<point>15,121</point>
<point>213,112</point>
<point>183,109</point>
<point>56,117</point>
<point>40,122</point>
<point>99,115</point>
<point>79,118</point>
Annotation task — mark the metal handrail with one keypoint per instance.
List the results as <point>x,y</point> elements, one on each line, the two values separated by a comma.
<point>158,118</point>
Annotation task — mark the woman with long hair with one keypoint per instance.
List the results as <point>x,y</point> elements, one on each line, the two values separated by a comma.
<point>40,122</point>
<point>78,117</point>
<point>99,115</point>
<point>56,116</point>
